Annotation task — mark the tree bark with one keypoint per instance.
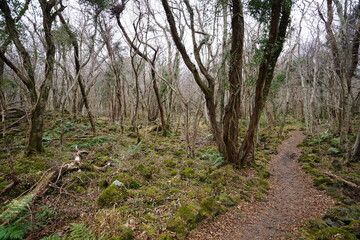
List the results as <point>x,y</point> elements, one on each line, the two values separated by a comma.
<point>38,101</point>
<point>232,109</point>
<point>78,72</point>
<point>207,89</point>
<point>280,17</point>
<point>355,157</point>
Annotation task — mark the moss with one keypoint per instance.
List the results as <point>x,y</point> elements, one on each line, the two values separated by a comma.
<point>174,190</point>
<point>112,195</point>
<point>259,196</point>
<point>177,225</point>
<point>318,223</point>
<point>310,170</point>
<point>226,200</point>
<point>150,217</point>
<point>169,163</point>
<point>102,183</point>
<point>334,192</point>
<point>322,180</point>
<point>179,153</point>
<point>331,233</point>
<point>190,163</point>
<point>264,173</point>
<point>150,230</point>
<point>79,189</point>
<point>187,173</point>
<point>345,214</point>
<point>129,181</point>
<point>191,214</point>
<point>146,172</point>
<point>210,208</point>
<point>173,172</point>
<point>353,227</point>
<point>154,194</point>
<point>126,234</point>
<point>165,236</point>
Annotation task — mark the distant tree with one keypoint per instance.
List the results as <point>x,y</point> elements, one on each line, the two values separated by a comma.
<point>344,46</point>
<point>39,98</point>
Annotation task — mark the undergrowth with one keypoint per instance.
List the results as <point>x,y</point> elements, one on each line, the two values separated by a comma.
<point>323,154</point>
<point>157,185</point>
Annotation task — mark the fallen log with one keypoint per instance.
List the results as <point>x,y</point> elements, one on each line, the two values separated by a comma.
<point>345,182</point>
<point>52,176</point>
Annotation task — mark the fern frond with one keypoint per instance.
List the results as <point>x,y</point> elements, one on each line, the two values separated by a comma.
<point>80,231</point>
<point>15,208</point>
<point>53,237</point>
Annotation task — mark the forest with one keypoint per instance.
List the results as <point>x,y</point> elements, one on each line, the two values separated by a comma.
<point>189,119</point>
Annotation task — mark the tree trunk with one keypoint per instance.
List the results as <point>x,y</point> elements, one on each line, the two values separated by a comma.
<point>280,17</point>
<point>37,113</point>
<point>78,72</point>
<point>355,157</point>
<point>232,109</point>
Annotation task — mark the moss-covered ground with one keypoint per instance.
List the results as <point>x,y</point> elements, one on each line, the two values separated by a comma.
<point>322,154</point>
<point>151,190</point>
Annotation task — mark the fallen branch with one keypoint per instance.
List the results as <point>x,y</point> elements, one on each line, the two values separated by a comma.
<point>340,179</point>
<point>9,187</point>
<point>102,169</point>
<point>15,207</point>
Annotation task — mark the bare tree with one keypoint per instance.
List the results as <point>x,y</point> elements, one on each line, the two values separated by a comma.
<point>38,100</point>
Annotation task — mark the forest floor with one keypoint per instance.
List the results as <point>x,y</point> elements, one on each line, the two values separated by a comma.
<point>168,194</point>
<point>292,201</point>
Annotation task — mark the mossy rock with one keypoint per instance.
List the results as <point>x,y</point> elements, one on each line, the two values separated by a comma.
<point>331,233</point>
<point>318,223</point>
<point>177,225</point>
<point>112,195</point>
<point>310,170</point>
<point>145,172</point>
<point>322,180</point>
<point>345,214</point>
<point>210,207</point>
<point>187,173</point>
<point>129,181</point>
<point>354,228</point>
<point>191,214</point>
<point>228,200</point>
<point>126,234</point>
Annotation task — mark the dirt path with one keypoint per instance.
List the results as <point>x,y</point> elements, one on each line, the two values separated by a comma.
<point>292,200</point>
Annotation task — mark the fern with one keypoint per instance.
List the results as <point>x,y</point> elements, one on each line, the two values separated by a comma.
<point>15,208</point>
<point>80,231</point>
<point>12,231</point>
<point>214,156</point>
<point>53,237</point>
